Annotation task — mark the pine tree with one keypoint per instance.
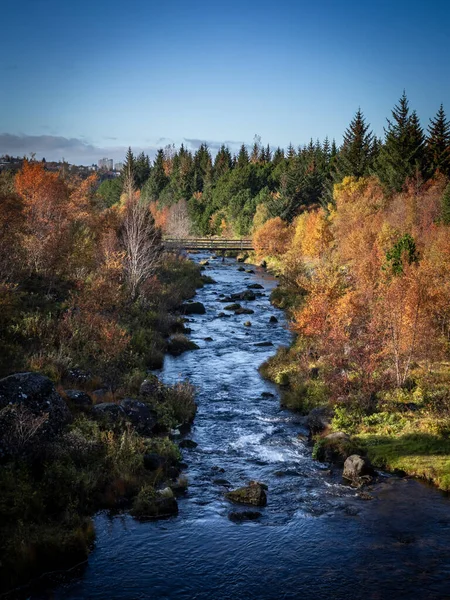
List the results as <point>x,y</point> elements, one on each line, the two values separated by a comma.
<point>202,169</point>
<point>128,173</point>
<point>243,158</point>
<point>141,170</point>
<point>291,152</point>
<point>438,143</point>
<point>355,155</point>
<point>402,154</point>
<point>222,163</point>
<point>158,178</point>
<point>278,156</point>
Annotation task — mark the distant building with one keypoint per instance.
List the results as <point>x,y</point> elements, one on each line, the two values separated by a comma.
<point>106,163</point>
<point>118,166</point>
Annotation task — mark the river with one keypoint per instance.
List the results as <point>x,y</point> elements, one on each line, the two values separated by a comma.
<point>315,539</point>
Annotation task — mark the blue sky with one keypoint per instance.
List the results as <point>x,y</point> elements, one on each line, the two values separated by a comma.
<point>87,79</point>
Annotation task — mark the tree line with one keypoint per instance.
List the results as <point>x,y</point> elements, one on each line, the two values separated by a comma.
<point>234,194</point>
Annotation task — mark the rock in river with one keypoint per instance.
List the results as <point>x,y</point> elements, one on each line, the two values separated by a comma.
<point>254,494</point>
<point>357,468</point>
<point>193,308</point>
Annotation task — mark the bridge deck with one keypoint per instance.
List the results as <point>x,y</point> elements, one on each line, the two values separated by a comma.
<point>220,244</point>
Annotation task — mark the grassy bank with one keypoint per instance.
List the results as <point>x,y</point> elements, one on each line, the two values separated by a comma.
<point>402,429</point>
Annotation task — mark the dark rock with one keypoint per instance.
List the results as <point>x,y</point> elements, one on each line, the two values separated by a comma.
<point>263,264</point>
<point>208,339</point>
<point>273,319</point>
<point>249,271</point>
<point>263,344</point>
<point>152,387</point>
<point>247,324</point>
<point>173,471</point>
<point>204,263</point>
<point>244,311</point>
<point>247,295</point>
<point>267,395</point>
<point>78,398</point>
<point>155,505</point>
<point>193,308</point>
<point>139,415</point>
<point>179,344</point>
<point>253,494</point>
<point>188,444</point>
<point>217,469</point>
<point>241,269</point>
<point>319,419</point>
<point>243,515</point>
<point>109,411</point>
<point>221,482</point>
<point>32,398</point>
<point>357,469</point>
<point>233,307</point>
<point>153,461</point>
<point>255,286</point>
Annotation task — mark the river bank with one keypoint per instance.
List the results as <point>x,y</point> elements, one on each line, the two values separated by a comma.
<point>81,443</point>
<point>316,534</point>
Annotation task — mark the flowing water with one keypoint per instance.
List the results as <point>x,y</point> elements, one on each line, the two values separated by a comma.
<point>315,539</point>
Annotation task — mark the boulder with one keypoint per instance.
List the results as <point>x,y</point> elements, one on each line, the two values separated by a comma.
<point>193,308</point>
<point>139,415</point>
<point>241,269</point>
<point>151,504</point>
<point>152,387</point>
<point>263,344</point>
<point>208,339</point>
<point>253,494</point>
<point>188,444</point>
<point>244,311</point>
<point>357,469</point>
<point>247,324</point>
<point>319,419</point>
<point>273,319</point>
<point>249,271</point>
<point>237,516</point>
<point>255,286</point>
<point>78,398</point>
<point>32,399</point>
<point>267,395</point>
<point>247,295</point>
<point>109,411</point>
<point>233,307</point>
<point>179,343</point>
<point>204,263</point>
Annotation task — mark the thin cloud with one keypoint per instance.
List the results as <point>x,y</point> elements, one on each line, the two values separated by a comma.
<point>215,146</point>
<point>74,150</point>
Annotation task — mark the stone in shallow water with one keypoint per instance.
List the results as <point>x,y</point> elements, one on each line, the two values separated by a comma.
<point>237,516</point>
<point>254,493</point>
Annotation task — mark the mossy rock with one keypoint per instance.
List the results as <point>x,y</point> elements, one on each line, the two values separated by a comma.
<point>335,448</point>
<point>179,344</point>
<point>253,494</point>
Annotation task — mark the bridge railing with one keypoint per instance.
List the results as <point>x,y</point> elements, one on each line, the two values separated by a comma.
<point>208,243</point>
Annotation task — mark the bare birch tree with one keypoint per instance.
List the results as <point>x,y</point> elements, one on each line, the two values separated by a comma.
<point>141,239</point>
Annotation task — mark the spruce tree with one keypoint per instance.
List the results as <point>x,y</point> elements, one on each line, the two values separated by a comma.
<point>278,156</point>
<point>438,143</point>
<point>402,154</point>
<point>158,178</point>
<point>291,152</point>
<point>355,155</point>
<point>128,174</point>
<point>243,158</point>
<point>141,170</point>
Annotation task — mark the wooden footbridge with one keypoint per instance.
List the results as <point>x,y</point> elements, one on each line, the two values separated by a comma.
<point>215,244</point>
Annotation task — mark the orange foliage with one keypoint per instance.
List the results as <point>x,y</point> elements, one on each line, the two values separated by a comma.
<point>273,238</point>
